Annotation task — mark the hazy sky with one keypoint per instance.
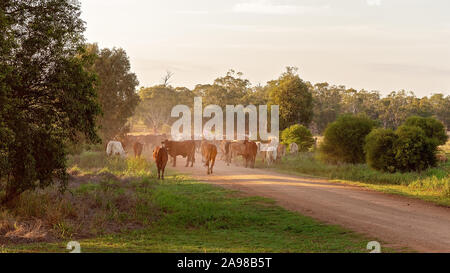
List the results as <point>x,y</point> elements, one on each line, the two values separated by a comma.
<point>380,45</point>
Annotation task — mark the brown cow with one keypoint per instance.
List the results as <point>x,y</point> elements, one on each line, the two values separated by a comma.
<point>281,151</point>
<point>251,151</point>
<point>183,148</point>
<point>222,148</point>
<point>209,153</point>
<point>160,156</point>
<point>246,149</point>
<point>137,148</point>
<point>235,149</point>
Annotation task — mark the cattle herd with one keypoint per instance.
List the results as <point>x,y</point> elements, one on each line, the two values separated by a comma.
<point>164,150</point>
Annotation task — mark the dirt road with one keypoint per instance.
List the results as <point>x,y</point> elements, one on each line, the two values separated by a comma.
<point>398,221</point>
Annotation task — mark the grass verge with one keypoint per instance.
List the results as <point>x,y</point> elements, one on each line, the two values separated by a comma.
<point>431,185</point>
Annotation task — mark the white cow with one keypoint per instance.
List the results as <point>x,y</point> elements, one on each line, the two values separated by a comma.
<point>293,148</point>
<point>269,152</point>
<point>115,148</point>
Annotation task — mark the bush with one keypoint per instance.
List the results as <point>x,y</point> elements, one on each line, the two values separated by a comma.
<point>380,150</point>
<point>344,139</point>
<point>432,128</point>
<point>298,134</point>
<point>414,150</point>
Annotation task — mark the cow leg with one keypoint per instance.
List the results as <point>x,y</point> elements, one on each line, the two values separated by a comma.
<point>207,167</point>
<point>174,159</point>
<point>158,173</point>
<point>192,160</point>
<point>162,172</point>
<point>212,164</point>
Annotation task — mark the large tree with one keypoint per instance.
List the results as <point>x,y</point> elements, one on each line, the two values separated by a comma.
<point>294,98</point>
<point>327,104</point>
<point>116,90</point>
<point>156,105</point>
<point>47,97</point>
<point>441,108</point>
<point>396,108</point>
<point>231,89</point>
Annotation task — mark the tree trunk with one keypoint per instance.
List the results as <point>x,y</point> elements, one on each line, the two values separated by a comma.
<point>11,194</point>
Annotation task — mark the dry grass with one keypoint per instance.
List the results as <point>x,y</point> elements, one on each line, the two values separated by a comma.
<point>445,148</point>
<point>98,201</point>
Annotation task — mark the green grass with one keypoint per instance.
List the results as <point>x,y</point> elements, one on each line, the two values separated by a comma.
<point>198,217</point>
<point>430,185</point>
<point>91,162</point>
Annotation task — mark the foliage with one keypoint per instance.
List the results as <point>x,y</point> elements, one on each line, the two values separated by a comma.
<point>380,149</point>
<point>396,107</point>
<point>344,139</point>
<point>414,150</point>
<point>155,106</point>
<point>412,147</point>
<point>432,128</point>
<point>293,97</point>
<point>440,106</point>
<point>298,134</point>
<point>296,107</point>
<point>361,102</point>
<point>116,90</point>
<point>47,97</point>
<point>327,104</point>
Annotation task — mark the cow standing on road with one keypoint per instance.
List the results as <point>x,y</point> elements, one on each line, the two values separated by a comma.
<point>246,149</point>
<point>183,148</point>
<point>160,156</point>
<point>209,153</point>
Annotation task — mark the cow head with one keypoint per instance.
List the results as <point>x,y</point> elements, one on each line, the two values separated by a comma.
<point>166,143</point>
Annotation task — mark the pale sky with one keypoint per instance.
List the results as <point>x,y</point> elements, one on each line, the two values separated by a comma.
<point>382,45</point>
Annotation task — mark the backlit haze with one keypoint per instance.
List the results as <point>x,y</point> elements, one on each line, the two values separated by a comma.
<point>383,45</point>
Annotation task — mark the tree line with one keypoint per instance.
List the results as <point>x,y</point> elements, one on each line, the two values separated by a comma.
<point>313,105</point>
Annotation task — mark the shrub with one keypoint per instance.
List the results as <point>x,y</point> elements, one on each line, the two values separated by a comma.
<point>380,150</point>
<point>432,128</point>
<point>299,134</point>
<point>344,139</point>
<point>414,150</point>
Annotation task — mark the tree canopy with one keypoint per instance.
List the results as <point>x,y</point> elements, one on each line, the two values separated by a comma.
<point>47,96</point>
<point>116,90</point>
<point>294,98</point>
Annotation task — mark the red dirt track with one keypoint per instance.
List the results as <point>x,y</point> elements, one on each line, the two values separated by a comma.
<point>395,220</point>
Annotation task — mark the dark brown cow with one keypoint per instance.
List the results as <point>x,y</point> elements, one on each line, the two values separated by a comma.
<point>137,148</point>
<point>160,156</point>
<point>209,153</point>
<point>251,149</point>
<point>183,148</point>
